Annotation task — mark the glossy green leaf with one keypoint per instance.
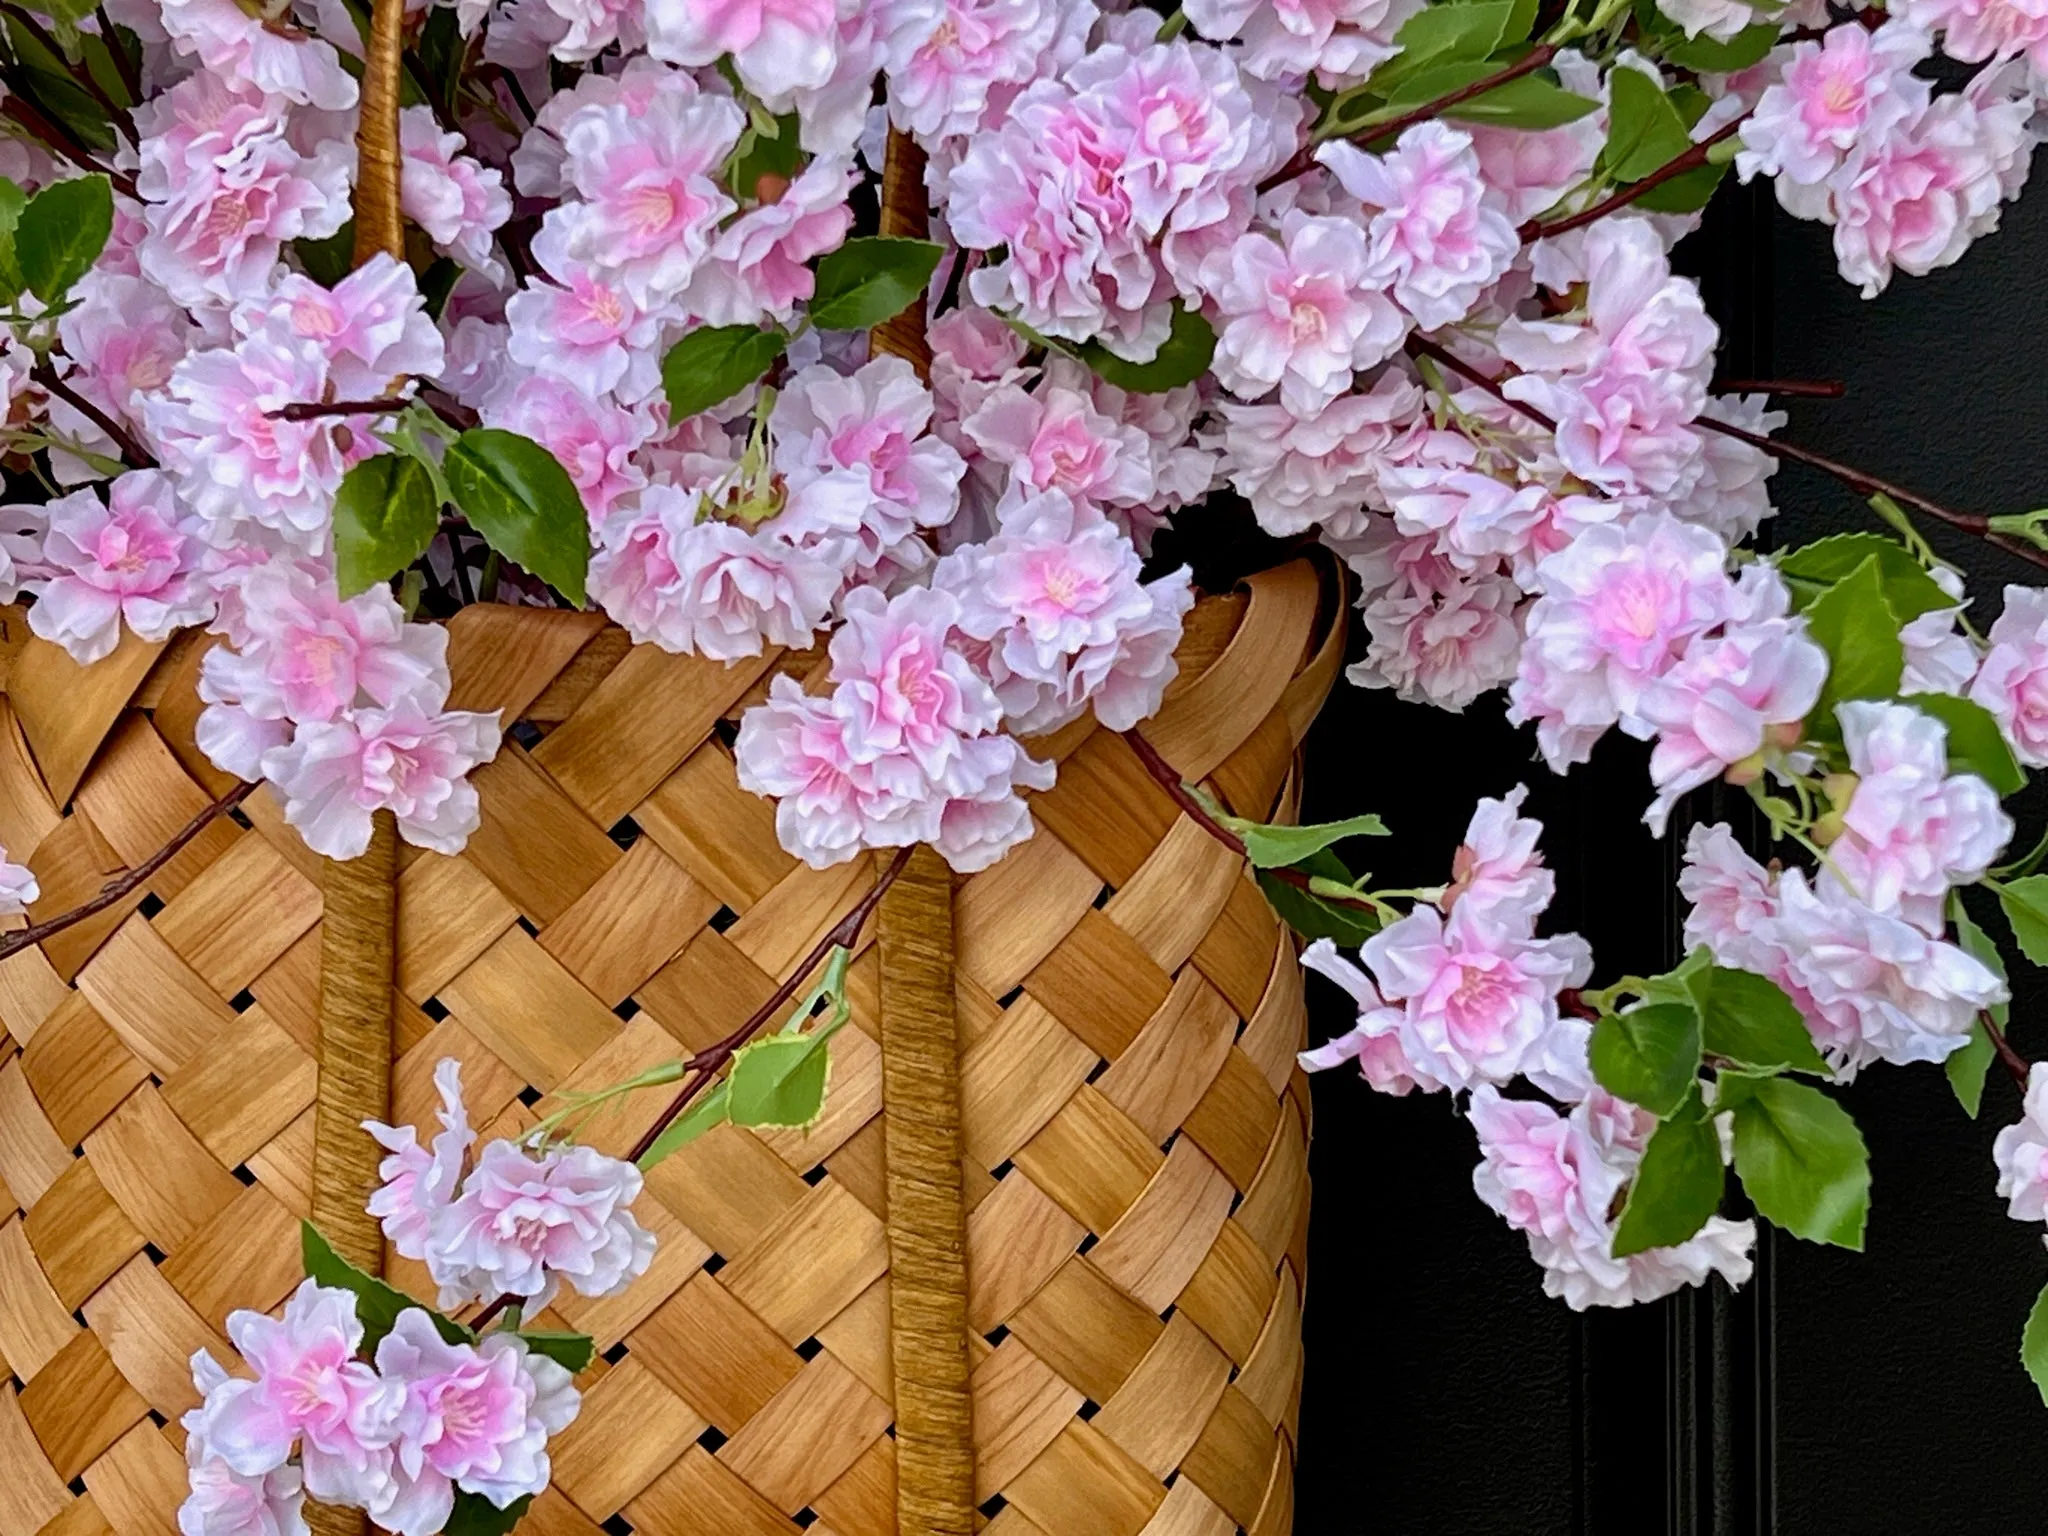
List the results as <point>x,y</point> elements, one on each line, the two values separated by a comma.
<point>781,1081</point>
<point>1748,1019</point>
<point>1975,743</point>
<point>1276,847</point>
<point>61,233</point>
<point>573,1352</point>
<point>377,1304</point>
<point>1967,1067</point>
<point>1852,622</point>
<point>708,1112</point>
<point>1530,102</point>
<point>1801,1158</point>
<point>475,1515</point>
<point>1909,590</point>
<point>1314,916</point>
<point>12,201</point>
<point>328,261</point>
<point>713,363</point>
<point>523,502</point>
<point>1649,1055</point>
<point>1644,130</point>
<point>1687,192</point>
<point>763,154</point>
<point>1677,1185</point>
<point>1182,358</point>
<point>1704,55</point>
<point>385,516</point>
<point>2025,904</point>
<point>2034,1344</point>
<point>1448,33</point>
<point>44,78</point>
<point>868,281</point>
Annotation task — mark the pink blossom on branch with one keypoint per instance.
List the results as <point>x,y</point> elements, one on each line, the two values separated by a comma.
<point>130,561</point>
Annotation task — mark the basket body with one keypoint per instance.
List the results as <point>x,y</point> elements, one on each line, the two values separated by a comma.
<point>1134,1125</point>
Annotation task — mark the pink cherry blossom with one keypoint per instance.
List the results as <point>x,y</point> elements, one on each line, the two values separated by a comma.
<point>474,1416</point>
<point>1303,313</point>
<point>457,201</point>
<point>776,46</point>
<point>1437,234</point>
<point>977,50</point>
<point>1443,647</point>
<point>1911,828</point>
<point>1939,658</point>
<point>899,686</point>
<point>1497,871</point>
<point>18,889</point>
<point>1053,439</point>
<point>523,1222</point>
<point>1532,170</point>
<point>592,438</point>
<point>977,827</point>
<point>372,325</point>
<point>1381,1061</point>
<point>221,1503</point>
<point>793,749</point>
<point>582,328</point>
<point>129,560</point>
<point>1973,30</point>
<point>2012,680</point>
<point>407,759</point>
<point>243,47</point>
<point>124,338</point>
<point>2021,1152</point>
<point>1734,901</point>
<point>1323,469</point>
<point>1339,41</point>
<point>758,267</point>
<point>1850,88</point>
<point>418,1184</point>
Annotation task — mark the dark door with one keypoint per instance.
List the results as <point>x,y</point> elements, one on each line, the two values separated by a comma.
<point>1838,1394</point>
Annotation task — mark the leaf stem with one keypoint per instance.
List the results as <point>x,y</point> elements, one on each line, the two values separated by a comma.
<point>1691,160</point>
<point>2015,1063</point>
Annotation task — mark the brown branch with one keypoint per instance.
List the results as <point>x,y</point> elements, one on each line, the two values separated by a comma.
<point>2014,1062</point>
<point>130,71</point>
<point>314,410</point>
<point>80,72</point>
<point>1305,158</point>
<point>132,451</point>
<point>1678,165</point>
<point>1797,389</point>
<point>110,893</point>
<point>59,141</point>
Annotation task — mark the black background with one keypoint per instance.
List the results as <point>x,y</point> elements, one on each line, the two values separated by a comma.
<point>1839,1393</point>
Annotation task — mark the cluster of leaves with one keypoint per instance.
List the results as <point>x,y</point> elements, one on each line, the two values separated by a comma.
<point>1702,1041</point>
<point>1309,885</point>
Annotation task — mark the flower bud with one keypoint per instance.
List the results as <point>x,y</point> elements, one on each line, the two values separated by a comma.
<point>1828,828</point>
<point>1748,771</point>
<point>1840,788</point>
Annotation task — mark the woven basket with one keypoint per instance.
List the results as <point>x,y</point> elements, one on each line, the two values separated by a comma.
<point>1134,1128</point>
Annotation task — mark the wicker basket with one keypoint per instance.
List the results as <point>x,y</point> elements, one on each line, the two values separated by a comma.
<point>1133,1124</point>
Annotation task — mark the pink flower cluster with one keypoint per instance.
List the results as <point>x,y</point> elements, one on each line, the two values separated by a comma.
<point>397,1438</point>
<point>519,1222</point>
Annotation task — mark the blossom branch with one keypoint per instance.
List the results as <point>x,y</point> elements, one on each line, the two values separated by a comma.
<point>132,451</point>
<point>2013,1061</point>
<point>128,69</point>
<point>1304,158</point>
<point>314,410</point>
<point>1798,389</point>
<point>1691,160</point>
<point>59,141</point>
<point>110,893</point>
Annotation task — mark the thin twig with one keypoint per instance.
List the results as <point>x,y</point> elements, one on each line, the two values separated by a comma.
<point>1691,160</point>
<point>1797,389</point>
<point>314,410</point>
<point>115,889</point>
<point>2015,1063</point>
<point>59,141</point>
<point>133,452</point>
<point>80,72</point>
<point>1305,158</point>
<point>129,70</point>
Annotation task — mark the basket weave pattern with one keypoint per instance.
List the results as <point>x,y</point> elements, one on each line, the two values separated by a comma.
<point>1135,1126</point>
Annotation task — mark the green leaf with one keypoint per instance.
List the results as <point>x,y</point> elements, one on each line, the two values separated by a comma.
<point>1703,55</point>
<point>46,77</point>
<point>1445,33</point>
<point>1687,192</point>
<point>1182,358</point>
<point>1677,1185</point>
<point>377,1304</point>
<point>761,154</point>
<point>693,1122</point>
<point>523,503</point>
<point>1530,102</point>
<point>1649,1055</point>
<point>12,201</point>
<point>1748,1019</point>
<point>1318,917</point>
<point>1908,590</point>
<point>61,233</point>
<point>328,261</point>
<point>1967,1067</point>
<point>1644,130</point>
<point>870,280</point>
<point>2025,902</point>
<point>1975,743</point>
<point>711,365</point>
<point>780,1081</point>
<point>1276,847</point>
<point>573,1352</point>
<point>1852,622</point>
<point>1800,1157</point>
<point>385,516</point>
<point>475,1515</point>
<point>2034,1344</point>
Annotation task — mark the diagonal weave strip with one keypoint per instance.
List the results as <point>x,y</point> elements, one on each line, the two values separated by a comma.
<point>1127,1005</point>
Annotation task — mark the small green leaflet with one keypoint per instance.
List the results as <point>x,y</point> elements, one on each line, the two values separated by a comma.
<point>328,261</point>
<point>1747,1019</point>
<point>61,233</point>
<point>707,1113</point>
<point>1649,1055</point>
<point>1314,916</point>
<point>1705,56</point>
<point>868,281</point>
<point>712,364</point>
<point>385,516</point>
<point>780,1082</point>
<point>1975,743</point>
<point>377,1304</point>
<point>1852,622</point>
<point>1966,1068</point>
<point>2034,1344</point>
<point>1677,1185</point>
<point>1644,130</point>
<point>2025,903</point>
<point>523,502</point>
<point>1800,1158</point>
<point>573,1352</point>
<point>1181,359</point>
<point>1276,847</point>
<point>12,201</point>
<point>1908,590</point>
<point>1531,103</point>
<point>1439,35</point>
<point>475,1515</point>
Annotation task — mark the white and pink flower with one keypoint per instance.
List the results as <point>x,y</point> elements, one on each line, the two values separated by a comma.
<point>129,560</point>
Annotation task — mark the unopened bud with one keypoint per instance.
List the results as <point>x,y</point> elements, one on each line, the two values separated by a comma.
<point>1785,734</point>
<point>1748,771</point>
<point>1840,788</point>
<point>769,187</point>
<point>1828,828</point>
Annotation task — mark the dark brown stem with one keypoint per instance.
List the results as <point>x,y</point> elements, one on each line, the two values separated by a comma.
<point>133,452</point>
<point>1678,165</point>
<point>2015,1063</point>
<point>1422,346</point>
<point>55,138</point>
<point>1798,389</point>
<point>705,1065</point>
<point>1528,64</point>
<point>1168,779</point>
<point>115,889</point>
<point>314,410</point>
<point>81,73</point>
<point>130,71</point>
<point>489,1315</point>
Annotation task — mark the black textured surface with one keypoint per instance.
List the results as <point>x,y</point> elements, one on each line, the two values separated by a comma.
<point>1839,1394</point>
